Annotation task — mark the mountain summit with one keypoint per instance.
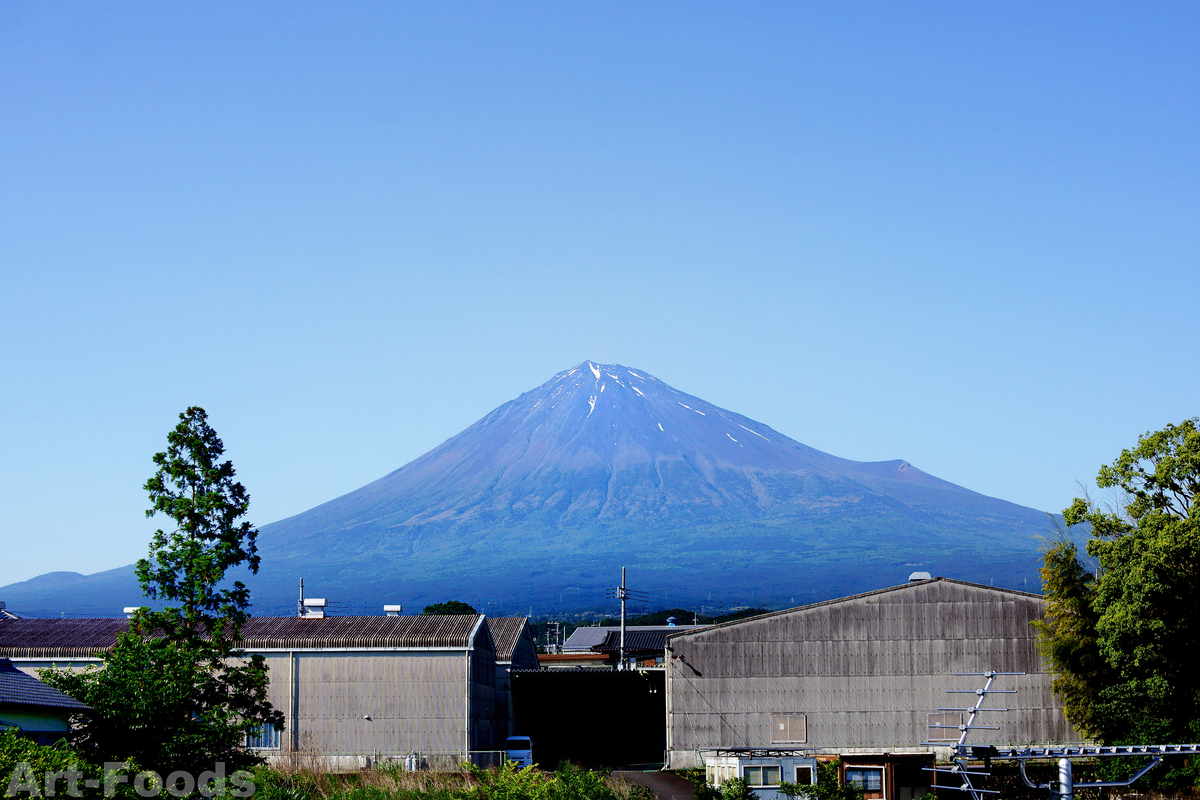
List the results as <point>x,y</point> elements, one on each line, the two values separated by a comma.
<point>603,466</point>
<point>606,443</point>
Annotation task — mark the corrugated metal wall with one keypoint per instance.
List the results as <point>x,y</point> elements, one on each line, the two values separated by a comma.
<point>483,692</point>
<point>415,700</point>
<point>865,671</point>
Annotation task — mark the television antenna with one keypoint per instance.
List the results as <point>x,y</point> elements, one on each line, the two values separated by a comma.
<point>1062,789</point>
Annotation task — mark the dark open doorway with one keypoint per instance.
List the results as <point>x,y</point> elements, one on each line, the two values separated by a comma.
<point>592,717</point>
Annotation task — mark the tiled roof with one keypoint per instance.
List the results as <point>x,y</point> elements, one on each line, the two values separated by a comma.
<point>584,639</point>
<point>17,688</point>
<point>506,632</point>
<point>635,641</point>
<point>66,638</point>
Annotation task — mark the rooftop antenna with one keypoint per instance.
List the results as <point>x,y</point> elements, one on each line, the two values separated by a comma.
<point>623,593</point>
<point>1062,789</point>
<point>961,750</point>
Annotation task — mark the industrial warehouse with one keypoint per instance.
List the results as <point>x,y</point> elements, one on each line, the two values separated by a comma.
<point>860,678</point>
<point>352,686</point>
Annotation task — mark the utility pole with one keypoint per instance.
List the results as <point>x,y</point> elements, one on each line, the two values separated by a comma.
<point>624,596</point>
<point>623,593</point>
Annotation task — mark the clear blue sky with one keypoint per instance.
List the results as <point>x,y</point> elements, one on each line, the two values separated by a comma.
<point>961,234</point>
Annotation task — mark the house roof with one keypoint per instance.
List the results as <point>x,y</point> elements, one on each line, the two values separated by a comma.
<point>81,638</point>
<point>900,588</point>
<point>584,639</point>
<point>635,640</point>
<point>555,658</point>
<point>506,632</point>
<point>17,688</point>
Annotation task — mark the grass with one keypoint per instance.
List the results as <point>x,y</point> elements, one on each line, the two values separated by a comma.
<point>390,781</point>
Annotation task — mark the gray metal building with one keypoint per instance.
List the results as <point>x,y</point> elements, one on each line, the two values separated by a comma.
<point>354,686</point>
<point>515,649</point>
<point>860,677</point>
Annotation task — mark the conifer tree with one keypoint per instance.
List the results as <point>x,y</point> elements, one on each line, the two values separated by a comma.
<point>174,694</point>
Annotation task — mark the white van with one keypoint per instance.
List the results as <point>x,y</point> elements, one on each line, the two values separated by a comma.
<point>520,750</point>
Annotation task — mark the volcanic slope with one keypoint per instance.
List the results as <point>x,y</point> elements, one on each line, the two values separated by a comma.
<point>604,466</point>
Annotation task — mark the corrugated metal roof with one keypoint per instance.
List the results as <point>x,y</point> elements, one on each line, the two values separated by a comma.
<point>506,632</point>
<point>74,638</point>
<point>49,638</point>
<point>17,688</point>
<point>682,629</point>
<point>422,631</point>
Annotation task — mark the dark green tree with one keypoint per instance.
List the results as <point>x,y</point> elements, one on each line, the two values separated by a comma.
<point>174,694</point>
<point>450,607</point>
<point>1122,638</point>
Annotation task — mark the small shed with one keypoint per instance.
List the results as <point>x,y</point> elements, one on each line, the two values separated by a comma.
<point>38,711</point>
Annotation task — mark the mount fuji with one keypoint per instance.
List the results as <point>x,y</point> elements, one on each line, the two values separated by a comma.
<point>544,499</point>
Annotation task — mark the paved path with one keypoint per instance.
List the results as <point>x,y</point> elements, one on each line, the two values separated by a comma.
<point>667,785</point>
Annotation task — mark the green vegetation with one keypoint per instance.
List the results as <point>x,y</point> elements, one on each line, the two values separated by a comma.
<point>1121,633</point>
<point>450,607</point>
<point>391,782</point>
<point>28,764</point>
<point>829,786</point>
<point>170,696</point>
<point>16,751</point>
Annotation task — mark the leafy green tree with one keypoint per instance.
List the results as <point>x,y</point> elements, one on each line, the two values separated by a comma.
<point>173,694</point>
<point>450,607</point>
<point>1122,638</point>
<point>829,785</point>
<point>737,789</point>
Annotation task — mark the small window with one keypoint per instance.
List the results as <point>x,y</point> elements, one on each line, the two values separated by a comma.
<point>265,737</point>
<point>761,776</point>
<point>787,728</point>
<point>804,776</point>
<point>943,727</point>
<point>869,779</point>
